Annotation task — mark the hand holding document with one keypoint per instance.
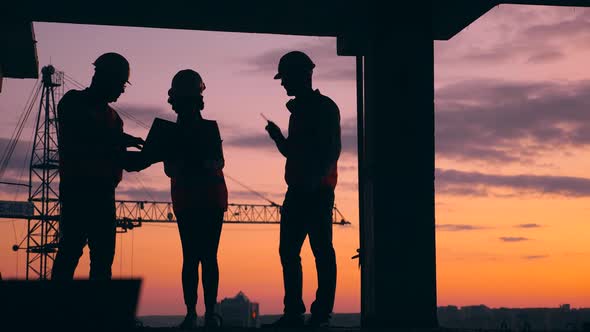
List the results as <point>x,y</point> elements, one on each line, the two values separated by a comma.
<point>135,161</point>
<point>133,142</point>
<point>159,140</point>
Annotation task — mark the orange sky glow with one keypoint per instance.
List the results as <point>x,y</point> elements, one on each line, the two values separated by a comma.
<point>512,156</point>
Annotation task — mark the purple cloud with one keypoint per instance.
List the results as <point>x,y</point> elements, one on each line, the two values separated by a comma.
<point>513,239</point>
<point>535,257</point>
<point>329,66</point>
<point>455,182</point>
<point>518,37</point>
<point>528,226</point>
<point>507,122</point>
<point>144,194</point>
<point>559,30</point>
<point>545,57</point>
<point>458,227</point>
<point>262,141</point>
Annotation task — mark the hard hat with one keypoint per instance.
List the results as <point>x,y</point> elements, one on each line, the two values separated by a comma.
<point>187,83</point>
<point>295,61</point>
<point>113,64</point>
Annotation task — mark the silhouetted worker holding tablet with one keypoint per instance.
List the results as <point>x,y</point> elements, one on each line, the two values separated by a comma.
<point>92,156</point>
<point>194,163</point>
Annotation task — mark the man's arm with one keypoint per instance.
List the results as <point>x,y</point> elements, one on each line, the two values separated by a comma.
<point>216,161</point>
<point>282,145</point>
<point>328,146</point>
<point>277,136</point>
<point>135,161</point>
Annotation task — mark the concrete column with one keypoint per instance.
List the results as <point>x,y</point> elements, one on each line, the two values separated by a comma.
<point>398,229</point>
<point>1,78</point>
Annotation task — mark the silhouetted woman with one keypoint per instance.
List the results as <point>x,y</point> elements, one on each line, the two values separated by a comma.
<point>199,193</point>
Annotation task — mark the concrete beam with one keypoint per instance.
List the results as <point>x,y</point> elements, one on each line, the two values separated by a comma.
<point>313,18</point>
<point>18,50</point>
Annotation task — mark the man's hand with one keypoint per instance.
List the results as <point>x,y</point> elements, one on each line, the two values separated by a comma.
<point>274,131</point>
<point>133,142</point>
<point>135,161</point>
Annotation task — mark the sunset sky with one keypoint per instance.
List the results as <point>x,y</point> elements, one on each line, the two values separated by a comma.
<point>512,156</point>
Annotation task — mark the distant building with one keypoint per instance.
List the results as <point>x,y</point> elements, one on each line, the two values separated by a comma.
<point>239,311</point>
<point>562,318</point>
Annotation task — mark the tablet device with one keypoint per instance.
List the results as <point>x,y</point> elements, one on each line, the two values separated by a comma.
<point>159,140</point>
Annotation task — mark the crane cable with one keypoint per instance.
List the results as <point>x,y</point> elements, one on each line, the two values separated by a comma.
<point>15,137</point>
<point>252,190</point>
<point>9,150</point>
<point>11,145</point>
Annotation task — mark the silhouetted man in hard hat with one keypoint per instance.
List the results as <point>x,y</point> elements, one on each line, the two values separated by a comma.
<point>312,149</point>
<point>92,156</point>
